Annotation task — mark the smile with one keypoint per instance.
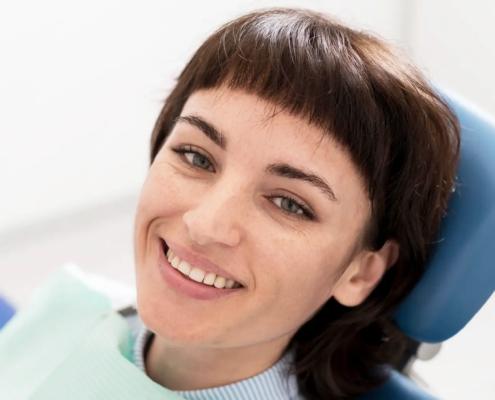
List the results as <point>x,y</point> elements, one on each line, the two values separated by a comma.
<point>198,275</point>
<point>188,279</point>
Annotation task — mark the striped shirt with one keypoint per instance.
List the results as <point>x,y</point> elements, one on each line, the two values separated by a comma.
<point>275,383</point>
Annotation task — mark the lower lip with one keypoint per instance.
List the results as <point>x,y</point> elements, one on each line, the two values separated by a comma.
<point>187,287</point>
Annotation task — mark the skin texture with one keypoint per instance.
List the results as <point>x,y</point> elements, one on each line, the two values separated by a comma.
<point>233,214</point>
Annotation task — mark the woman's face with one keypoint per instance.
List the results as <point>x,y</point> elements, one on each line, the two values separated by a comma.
<point>270,200</point>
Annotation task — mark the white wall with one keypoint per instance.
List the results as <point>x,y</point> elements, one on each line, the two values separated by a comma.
<point>454,42</point>
<point>81,84</point>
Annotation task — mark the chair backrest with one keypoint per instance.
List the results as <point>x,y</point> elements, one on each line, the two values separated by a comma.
<point>460,276</point>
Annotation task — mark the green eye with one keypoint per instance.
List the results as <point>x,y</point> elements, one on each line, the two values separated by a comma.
<point>194,158</point>
<point>290,206</point>
<point>198,160</point>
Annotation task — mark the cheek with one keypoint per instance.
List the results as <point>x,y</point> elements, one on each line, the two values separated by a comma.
<point>165,193</point>
<point>310,283</point>
<point>161,198</point>
<point>298,278</point>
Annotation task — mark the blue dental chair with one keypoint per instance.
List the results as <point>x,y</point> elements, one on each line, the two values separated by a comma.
<point>6,312</point>
<point>461,275</point>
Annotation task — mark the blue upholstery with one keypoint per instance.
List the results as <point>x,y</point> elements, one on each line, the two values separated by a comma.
<point>6,312</point>
<point>461,274</point>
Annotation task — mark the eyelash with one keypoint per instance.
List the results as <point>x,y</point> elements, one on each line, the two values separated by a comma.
<point>307,214</point>
<point>183,150</point>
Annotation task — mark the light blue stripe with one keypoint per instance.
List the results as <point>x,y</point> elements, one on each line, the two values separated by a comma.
<point>255,384</point>
<point>272,385</point>
<point>222,396</point>
<point>229,390</point>
<point>220,393</point>
<point>242,390</point>
<point>245,390</point>
<point>205,394</point>
<point>209,395</point>
<point>265,386</point>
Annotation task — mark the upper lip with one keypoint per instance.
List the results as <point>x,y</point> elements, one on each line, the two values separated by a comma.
<point>195,260</point>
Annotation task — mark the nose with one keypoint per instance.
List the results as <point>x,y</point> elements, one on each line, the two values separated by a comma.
<point>216,216</point>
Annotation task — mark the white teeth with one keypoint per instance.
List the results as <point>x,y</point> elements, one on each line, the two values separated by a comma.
<point>184,267</point>
<point>220,282</point>
<point>209,278</point>
<point>175,262</point>
<point>197,275</point>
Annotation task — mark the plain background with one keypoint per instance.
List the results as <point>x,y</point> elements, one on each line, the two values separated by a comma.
<point>81,84</point>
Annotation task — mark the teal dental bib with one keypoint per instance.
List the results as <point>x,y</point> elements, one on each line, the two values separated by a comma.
<point>68,343</point>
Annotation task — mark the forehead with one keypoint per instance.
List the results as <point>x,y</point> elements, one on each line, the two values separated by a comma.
<point>263,130</point>
<point>247,120</point>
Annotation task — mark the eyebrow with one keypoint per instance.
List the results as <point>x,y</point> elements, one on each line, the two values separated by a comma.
<point>287,171</point>
<point>206,127</point>
<point>279,169</point>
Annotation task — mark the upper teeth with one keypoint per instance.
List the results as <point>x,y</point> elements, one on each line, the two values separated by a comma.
<point>198,275</point>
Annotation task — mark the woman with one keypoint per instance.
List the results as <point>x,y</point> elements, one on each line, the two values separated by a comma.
<point>299,173</point>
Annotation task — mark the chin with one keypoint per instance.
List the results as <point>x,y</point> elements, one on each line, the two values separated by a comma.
<point>175,323</point>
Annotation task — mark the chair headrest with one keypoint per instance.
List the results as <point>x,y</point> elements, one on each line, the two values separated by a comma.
<point>460,276</point>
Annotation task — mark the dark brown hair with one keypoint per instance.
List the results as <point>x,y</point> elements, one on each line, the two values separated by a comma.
<point>400,134</point>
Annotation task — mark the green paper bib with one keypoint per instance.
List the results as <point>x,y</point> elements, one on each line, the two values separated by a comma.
<point>68,343</point>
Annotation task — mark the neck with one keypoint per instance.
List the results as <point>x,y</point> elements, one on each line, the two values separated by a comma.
<point>193,368</point>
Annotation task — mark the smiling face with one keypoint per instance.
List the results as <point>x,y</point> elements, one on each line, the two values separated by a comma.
<point>266,197</point>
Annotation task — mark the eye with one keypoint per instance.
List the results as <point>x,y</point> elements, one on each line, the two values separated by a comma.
<point>194,158</point>
<point>292,207</point>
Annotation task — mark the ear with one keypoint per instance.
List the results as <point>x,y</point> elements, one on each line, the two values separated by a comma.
<point>364,273</point>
